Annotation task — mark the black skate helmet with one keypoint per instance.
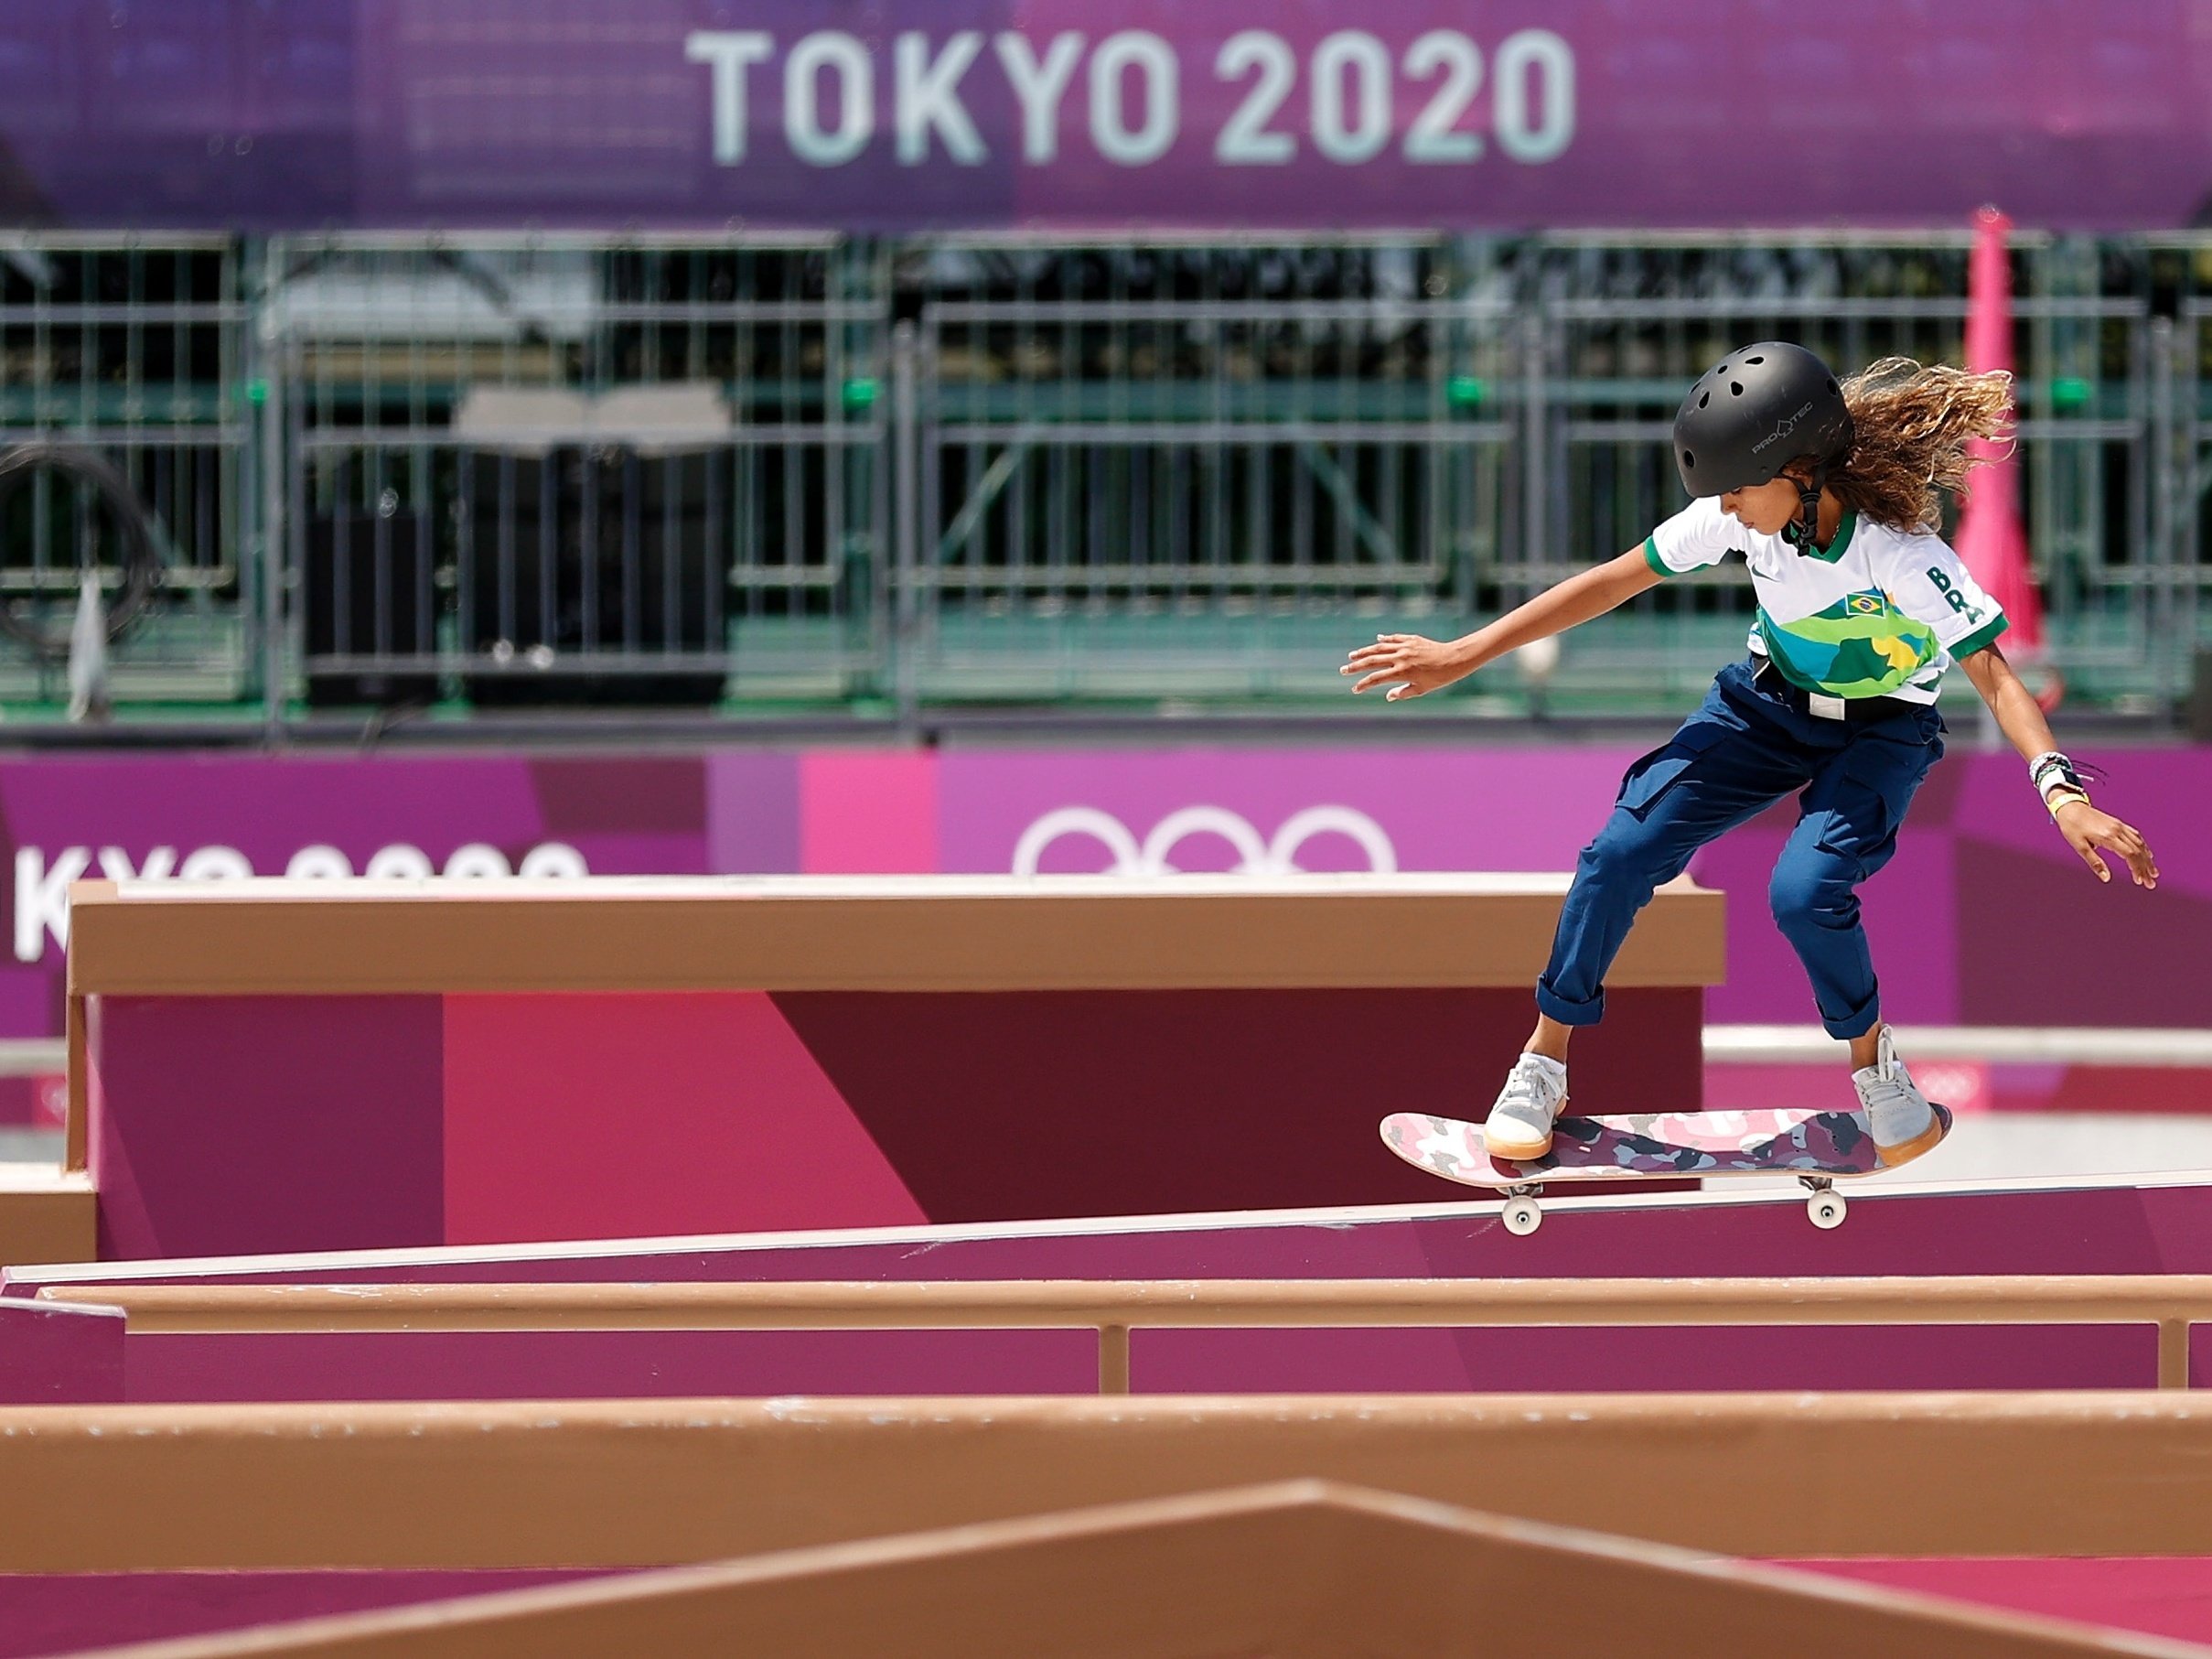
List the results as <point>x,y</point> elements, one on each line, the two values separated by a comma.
<point>1754,411</point>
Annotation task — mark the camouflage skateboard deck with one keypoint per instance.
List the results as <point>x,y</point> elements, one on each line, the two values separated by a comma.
<point>1660,1145</point>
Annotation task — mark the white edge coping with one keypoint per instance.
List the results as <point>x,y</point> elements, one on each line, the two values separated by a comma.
<point>1998,1045</point>
<point>1725,1045</point>
<point>96,1309</point>
<point>930,1236</point>
<point>19,1179</point>
<point>523,889</point>
<point>33,1057</point>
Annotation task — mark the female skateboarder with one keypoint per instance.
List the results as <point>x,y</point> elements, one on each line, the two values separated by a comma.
<point>1832,493</point>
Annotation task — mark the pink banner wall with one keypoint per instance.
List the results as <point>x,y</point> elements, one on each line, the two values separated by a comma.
<point>1985,917</point>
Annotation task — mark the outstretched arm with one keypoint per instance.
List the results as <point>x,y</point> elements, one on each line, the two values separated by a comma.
<point>1411,664</point>
<point>2019,718</point>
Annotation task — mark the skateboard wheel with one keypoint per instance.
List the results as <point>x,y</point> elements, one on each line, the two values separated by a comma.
<point>1826,1209</point>
<point>1522,1217</point>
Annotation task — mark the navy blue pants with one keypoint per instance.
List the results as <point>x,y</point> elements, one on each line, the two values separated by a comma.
<point>1743,750</point>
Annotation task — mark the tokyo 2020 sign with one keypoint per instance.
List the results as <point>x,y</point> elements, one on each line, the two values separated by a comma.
<point>916,115</point>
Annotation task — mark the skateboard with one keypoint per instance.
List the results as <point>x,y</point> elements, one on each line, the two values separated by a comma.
<point>1815,1147</point>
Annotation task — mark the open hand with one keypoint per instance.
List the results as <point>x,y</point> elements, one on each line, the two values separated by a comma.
<point>2087,830</point>
<point>1415,663</point>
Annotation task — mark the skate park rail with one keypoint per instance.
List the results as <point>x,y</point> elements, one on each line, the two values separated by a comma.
<point>2169,1302</point>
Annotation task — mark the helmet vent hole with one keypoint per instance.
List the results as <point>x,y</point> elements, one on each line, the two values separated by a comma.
<point>1831,384</point>
<point>1688,459</point>
<point>1735,389</point>
<point>1704,399</point>
<point>1754,359</point>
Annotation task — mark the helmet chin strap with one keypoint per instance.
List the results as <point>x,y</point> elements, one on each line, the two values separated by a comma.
<point>1801,530</point>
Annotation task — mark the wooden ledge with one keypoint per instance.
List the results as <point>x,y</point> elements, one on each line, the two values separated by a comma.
<point>856,933</point>
<point>651,1482</point>
<point>47,1215</point>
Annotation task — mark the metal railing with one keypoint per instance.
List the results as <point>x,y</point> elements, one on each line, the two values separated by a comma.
<point>136,349</point>
<point>1157,477</point>
<point>1114,1308</point>
<point>552,469</point>
<point>754,473</point>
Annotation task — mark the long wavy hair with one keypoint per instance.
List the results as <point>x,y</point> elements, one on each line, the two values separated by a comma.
<point>1912,423</point>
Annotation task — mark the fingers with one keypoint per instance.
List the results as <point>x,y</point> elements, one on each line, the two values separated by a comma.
<point>1386,646</point>
<point>1381,663</point>
<point>2111,834</point>
<point>2129,846</point>
<point>2091,833</point>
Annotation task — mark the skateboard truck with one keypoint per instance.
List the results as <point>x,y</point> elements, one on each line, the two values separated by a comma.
<point>1523,1214</point>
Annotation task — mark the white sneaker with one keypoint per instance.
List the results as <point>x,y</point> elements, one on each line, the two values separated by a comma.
<point>1519,1125</point>
<point>1903,1124</point>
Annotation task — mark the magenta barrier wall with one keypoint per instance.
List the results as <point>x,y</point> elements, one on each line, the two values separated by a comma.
<point>597,1365</point>
<point>1981,898</point>
<point>2158,1595</point>
<point>59,1356</point>
<point>47,1613</point>
<point>224,1125</point>
<point>63,1612</point>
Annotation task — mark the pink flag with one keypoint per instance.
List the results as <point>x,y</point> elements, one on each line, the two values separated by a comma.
<point>1990,538</point>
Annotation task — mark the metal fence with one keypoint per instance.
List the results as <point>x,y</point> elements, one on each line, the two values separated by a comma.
<point>555,471</point>
<point>546,471</point>
<point>1135,473</point>
<point>132,349</point>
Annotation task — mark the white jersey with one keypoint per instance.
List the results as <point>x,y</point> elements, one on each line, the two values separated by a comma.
<point>1877,613</point>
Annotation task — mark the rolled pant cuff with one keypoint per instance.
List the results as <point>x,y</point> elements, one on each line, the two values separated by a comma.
<point>1552,1007</point>
<point>1856,1025</point>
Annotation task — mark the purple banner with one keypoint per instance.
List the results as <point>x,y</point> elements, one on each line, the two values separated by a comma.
<point>896,114</point>
<point>1972,923</point>
<point>213,818</point>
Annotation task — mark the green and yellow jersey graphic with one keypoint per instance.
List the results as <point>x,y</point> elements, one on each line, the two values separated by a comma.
<point>1861,646</point>
<point>1878,612</point>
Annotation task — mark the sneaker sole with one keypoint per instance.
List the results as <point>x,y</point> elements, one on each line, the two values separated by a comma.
<point>1889,1157</point>
<point>1515,1152</point>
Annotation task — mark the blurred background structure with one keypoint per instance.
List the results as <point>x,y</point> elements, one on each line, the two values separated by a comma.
<point>473,362</point>
<point>899,482</point>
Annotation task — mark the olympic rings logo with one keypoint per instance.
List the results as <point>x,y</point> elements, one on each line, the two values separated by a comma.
<point>1277,855</point>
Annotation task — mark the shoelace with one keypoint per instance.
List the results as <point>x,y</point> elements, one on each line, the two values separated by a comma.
<point>1884,1089</point>
<point>1528,1083</point>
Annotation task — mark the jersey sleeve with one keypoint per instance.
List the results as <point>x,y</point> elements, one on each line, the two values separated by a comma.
<point>1931,584</point>
<point>1698,536</point>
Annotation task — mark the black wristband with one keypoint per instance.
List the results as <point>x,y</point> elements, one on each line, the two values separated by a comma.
<point>2055,768</point>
